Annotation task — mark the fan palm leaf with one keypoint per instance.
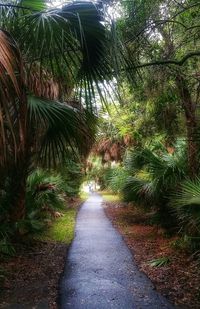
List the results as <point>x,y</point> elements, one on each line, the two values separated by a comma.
<point>43,190</point>
<point>138,190</point>
<point>62,129</point>
<point>165,172</point>
<point>139,159</point>
<point>186,205</point>
<point>56,45</point>
<point>36,5</point>
<point>71,42</point>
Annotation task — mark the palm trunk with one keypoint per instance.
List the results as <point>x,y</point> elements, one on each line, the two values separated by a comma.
<point>191,126</point>
<point>19,170</point>
<point>18,187</point>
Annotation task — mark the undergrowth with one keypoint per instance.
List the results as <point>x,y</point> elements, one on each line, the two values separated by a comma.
<point>62,229</point>
<point>110,197</point>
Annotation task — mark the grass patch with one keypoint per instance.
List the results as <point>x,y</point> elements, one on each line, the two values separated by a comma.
<point>83,195</point>
<point>62,229</point>
<point>110,197</point>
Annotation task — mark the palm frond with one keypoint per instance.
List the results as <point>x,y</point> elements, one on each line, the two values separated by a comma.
<point>137,190</point>
<point>43,189</point>
<point>42,84</point>
<point>63,129</point>
<point>117,178</point>
<point>186,205</point>
<point>139,159</point>
<point>36,5</point>
<point>159,262</point>
<point>11,88</point>
<point>165,172</point>
<point>69,42</point>
<point>10,63</point>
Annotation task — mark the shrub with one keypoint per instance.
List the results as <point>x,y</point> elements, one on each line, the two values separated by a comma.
<point>44,195</point>
<point>153,176</point>
<point>72,176</point>
<point>116,178</point>
<point>186,206</point>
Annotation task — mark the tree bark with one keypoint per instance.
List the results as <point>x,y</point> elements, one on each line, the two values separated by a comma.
<point>19,169</point>
<point>188,106</point>
<point>191,126</point>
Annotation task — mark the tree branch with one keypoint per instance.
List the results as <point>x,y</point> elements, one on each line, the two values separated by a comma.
<point>155,23</point>
<point>166,62</point>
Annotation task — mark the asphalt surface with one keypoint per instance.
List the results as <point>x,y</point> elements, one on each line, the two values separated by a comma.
<point>100,272</point>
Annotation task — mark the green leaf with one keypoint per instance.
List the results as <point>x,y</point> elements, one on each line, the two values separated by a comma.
<point>6,247</point>
<point>163,261</point>
<point>65,129</point>
<point>36,5</point>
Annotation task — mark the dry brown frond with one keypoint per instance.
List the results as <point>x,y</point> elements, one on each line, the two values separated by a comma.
<point>11,88</point>
<point>42,84</point>
<point>104,145</point>
<point>116,151</point>
<point>10,65</point>
<point>128,140</point>
<point>109,150</point>
<point>170,150</point>
<point>107,156</point>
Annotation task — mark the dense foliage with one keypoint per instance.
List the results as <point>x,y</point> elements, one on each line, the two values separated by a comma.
<point>50,66</point>
<point>157,57</point>
<point>57,64</point>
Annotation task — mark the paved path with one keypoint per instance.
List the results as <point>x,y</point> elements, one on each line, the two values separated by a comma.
<point>100,272</point>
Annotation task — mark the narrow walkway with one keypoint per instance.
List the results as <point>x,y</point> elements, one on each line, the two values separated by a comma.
<point>100,272</point>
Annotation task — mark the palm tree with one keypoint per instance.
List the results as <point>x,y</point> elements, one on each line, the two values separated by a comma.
<point>47,56</point>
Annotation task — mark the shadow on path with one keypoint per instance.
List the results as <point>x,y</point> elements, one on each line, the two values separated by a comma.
<point>100,272</point>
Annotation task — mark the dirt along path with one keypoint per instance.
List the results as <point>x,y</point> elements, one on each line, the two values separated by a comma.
<point>100,272</point>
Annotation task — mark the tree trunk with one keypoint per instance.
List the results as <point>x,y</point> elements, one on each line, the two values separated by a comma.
<point>19,170</point>
<point>18,177</point>
<point>17,209</point>
<point>191,126</point>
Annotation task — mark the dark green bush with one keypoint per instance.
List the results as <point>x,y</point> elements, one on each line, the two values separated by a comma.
<point>185,203</point>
